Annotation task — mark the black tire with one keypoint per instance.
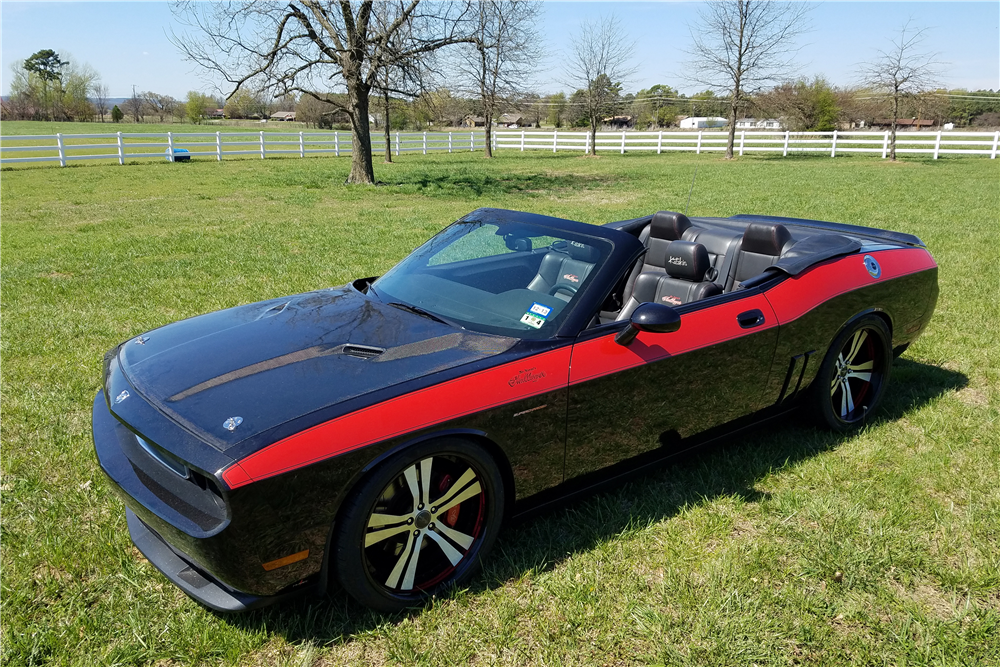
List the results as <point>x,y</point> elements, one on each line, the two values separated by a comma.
<point>852,380</point>
<point>436,543</point>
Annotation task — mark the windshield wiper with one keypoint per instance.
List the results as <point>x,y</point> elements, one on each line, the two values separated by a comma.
<point>420,311</point>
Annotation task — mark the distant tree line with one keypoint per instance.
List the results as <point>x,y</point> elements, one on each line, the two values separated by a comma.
<point>45,87</point>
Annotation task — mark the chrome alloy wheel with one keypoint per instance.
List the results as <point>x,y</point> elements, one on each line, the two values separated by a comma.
<point>423,524</point>
<point>853,376</point>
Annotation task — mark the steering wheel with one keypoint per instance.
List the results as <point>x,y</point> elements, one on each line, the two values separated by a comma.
<point>572,289</point>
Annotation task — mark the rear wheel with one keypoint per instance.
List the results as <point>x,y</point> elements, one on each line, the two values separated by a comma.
<point>419,525</point>
<point>854,374</point>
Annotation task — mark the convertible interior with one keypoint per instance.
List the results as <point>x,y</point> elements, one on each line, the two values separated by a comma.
<point>496,278</point>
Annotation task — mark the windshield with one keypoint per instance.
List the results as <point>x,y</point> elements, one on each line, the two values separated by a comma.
<point>507,278</point>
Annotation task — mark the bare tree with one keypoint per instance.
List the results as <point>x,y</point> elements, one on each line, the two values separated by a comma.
<point>494,67</point>
<point>101,96</point>
<point>309,46</point>
<point>400,76</point>
<point>741,46</point>
<point>598,62</point>
<point>903,71</point>
<point>160,105</point>
<point>135,106</point>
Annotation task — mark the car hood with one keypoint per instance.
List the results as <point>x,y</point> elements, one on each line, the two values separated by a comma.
<point>235,373</point>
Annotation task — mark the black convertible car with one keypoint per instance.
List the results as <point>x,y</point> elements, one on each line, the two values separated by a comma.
<point>380,433</point>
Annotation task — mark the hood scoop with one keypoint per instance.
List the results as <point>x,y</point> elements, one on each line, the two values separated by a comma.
<point>362,351</point>
<point>274,310</point>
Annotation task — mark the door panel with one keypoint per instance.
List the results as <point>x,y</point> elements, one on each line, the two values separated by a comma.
<point>664,388</point>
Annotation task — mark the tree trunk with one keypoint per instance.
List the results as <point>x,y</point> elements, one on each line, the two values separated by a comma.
<point>593,136</point>
<point>362,170</point>
<point>732,129</point>
<point>488,128</point>
<point>892,133</point>
<point>388,139</point>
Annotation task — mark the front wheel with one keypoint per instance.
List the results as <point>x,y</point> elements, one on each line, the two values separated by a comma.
<point>420,524</point>
<point>852,380</point>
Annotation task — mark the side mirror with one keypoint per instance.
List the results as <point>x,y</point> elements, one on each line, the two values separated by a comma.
<point>651,317</point>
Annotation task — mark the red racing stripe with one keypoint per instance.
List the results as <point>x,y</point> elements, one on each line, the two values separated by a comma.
<point>701,328</point>
<point>449,400</point>
<point>796,296</point>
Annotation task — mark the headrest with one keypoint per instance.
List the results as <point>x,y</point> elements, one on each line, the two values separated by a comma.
<point>687,260</point>
<point>765,238</point>
<point>668,225</point>
<point>578,251</point>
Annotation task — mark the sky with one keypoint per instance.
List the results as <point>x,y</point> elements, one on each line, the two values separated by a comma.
<point>128,42</point>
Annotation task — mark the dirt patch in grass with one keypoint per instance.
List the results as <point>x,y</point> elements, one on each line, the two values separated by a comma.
<point>973,396</point>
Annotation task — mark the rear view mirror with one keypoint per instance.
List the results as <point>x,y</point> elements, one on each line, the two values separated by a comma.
<point>651,317</point>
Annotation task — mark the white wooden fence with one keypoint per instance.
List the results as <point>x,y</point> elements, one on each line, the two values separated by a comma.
<point>65,148</point>
<point>700,141</point>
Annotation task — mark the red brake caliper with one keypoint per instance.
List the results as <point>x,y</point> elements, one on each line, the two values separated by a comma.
<point>451,518</point>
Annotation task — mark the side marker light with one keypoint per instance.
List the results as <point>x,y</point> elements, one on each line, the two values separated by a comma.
<point>287,560</point>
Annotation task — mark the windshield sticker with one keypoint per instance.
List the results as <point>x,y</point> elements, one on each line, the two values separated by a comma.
<point>540,310</point>
<point>535,317</point>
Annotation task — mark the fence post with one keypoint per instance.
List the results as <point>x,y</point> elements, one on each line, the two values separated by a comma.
<point>263,152</point>
<point>493,141</point>
<point>121,149</point>
<point>996,140</point>
<point>425,143</point>
<point>302,145</point>
<point>785,153</point>
<point>555,139</point>
<point>833,148</point>
<point>623,142</point>
<point>397,144</point>
<point>62,150</point>
<point>885,144</point>
<point>336,143</point>
<point>697,150</point>
<point>522,141</point>
<point>937,145</point>
<point>472,142</point>
<point>218,146</point>
<point>170,146</point>
<point>449,142</point>
<point>586,145</point>
<point>743,134</point>
<point>659,143</point>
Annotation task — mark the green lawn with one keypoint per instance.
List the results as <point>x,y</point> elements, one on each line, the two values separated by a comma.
<point>728,559</point>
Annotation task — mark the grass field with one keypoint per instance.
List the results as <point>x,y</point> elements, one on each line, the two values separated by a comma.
<point>726,559</point>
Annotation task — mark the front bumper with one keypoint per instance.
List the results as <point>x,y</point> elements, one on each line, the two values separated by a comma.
<point>197,583</point>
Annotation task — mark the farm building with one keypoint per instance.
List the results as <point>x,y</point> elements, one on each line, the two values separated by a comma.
<point>702,122</point>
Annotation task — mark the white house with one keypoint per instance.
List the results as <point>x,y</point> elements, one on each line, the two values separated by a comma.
<point>758,124</point>
<point>702,122</point>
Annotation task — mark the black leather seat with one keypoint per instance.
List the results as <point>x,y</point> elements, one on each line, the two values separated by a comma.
<point>721,245</point>
<point>682,282</point>
<point>665,228</point>
<point>761,246</point>
<point>564,268</point>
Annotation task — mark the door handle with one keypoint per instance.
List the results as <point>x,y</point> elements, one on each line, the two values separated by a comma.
<point>750,319</point>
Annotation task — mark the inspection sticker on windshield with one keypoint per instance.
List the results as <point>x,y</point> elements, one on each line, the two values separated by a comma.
<point>535,317</point>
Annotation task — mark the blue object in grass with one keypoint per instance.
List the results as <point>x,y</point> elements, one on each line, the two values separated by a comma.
<point>180,155</point>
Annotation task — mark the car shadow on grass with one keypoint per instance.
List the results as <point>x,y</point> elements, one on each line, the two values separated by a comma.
<point>729,469</point>
<point>471,184</point>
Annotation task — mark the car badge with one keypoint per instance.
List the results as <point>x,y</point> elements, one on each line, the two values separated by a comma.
<point>121,397</point>
<point>231,423</point>
<point>141,340</point>
<point>874,270</point>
